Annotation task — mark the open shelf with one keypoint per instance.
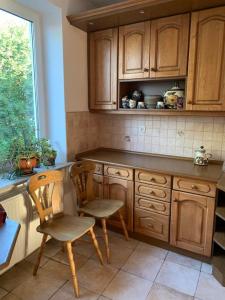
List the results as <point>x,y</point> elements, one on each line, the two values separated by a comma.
<point>219,239</point>
<point>218,268</point>
<point>220,212</point>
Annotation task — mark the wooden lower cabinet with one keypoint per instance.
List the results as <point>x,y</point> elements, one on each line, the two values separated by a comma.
<point>98,186</point>
<point>120,189</point>
<point>192,218</point>
<point>151,224</point>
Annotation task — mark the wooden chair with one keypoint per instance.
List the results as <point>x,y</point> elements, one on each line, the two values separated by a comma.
<point>82,177</point>
<point>46,191</point>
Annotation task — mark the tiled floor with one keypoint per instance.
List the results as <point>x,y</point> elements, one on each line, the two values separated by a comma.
<point>138,271</point>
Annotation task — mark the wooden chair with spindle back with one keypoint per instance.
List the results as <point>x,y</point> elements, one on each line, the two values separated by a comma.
<point>82,177</point>
<point>46,191</point>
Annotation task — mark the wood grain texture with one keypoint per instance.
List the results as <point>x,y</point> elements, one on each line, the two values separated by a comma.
<point>103,69</point>
<point>120,189</point>
<point>206,70</point>
<point>134,47</point>
<point>169,46</point>
<point>192,218</point>
<point>151,224</point>
<point>155,163</point>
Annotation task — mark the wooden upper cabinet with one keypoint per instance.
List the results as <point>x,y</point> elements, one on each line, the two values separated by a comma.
<point>169,46</point>
<point>206,70</point>
<point>103,69</point>
<point>192,218</point>
<point>134,45</point>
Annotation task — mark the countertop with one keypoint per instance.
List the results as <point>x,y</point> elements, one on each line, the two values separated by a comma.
<point>157,163</point>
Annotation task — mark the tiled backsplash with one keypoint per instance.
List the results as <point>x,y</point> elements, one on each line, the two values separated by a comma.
<point>152,134</point>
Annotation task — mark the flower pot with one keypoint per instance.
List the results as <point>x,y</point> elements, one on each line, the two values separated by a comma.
<point>26,165</point>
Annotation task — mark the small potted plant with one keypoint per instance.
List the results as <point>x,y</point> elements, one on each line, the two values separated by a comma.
<point>48,153</point>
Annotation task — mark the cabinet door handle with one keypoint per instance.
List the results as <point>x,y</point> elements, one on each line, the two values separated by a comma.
<point>154,69</point>
<point>189,102</point>
<point>175,200</point>
<point>152,193</point>
<point>152,179</point>
<point>118,173</point>
<point>146,70</point>
<point>194,187</point>
<point>114,102</point>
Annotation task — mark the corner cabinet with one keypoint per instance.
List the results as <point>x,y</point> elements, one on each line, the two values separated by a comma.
<point>103,69</point>
<point>134,47</point>
<point>192,218</point>
<point>169,46</point>
<point>206,74</point>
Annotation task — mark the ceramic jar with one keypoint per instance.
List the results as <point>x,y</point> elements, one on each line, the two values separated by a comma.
<point>201,157</point>
<point>174,98</point>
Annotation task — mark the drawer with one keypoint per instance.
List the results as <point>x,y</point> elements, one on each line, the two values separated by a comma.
<point>194,186</point>
<point>98,169</point>
<point>151,224</point>
<point>152,191</point>
<point>118,172</point>
<point>152,205</point>
<point>153,178</point>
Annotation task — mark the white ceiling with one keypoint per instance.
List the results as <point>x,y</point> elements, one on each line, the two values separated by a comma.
<point>98,3</point>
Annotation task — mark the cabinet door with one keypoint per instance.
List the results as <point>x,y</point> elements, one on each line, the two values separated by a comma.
<point>134,45</point>
<point>169,46</point>
<point>206,70</point>
<point>98,186</point>
<point>192,219</point>
<point>120,189</point>
<point>103,69</point>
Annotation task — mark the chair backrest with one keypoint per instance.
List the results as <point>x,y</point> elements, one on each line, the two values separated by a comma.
<point>81,174</point>
<point>46,190</point>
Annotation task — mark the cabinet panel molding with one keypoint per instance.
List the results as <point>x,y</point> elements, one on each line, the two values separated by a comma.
<point>153,178</point>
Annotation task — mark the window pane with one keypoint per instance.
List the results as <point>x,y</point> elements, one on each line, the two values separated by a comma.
<point>17,101</point>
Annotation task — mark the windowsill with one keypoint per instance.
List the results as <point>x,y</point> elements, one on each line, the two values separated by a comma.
<point>10,188</point>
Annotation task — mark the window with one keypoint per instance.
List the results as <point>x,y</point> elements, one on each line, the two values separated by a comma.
<point>18,117</point>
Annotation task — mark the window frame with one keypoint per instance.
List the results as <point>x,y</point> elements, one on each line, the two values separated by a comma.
<point>37,60</point>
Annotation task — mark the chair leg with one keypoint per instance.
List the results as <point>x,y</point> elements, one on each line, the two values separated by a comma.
<point>106,238</point>
<point>44,239</point>
<point>123,225</point>
<point>73,268</point>
<point>95,242</point>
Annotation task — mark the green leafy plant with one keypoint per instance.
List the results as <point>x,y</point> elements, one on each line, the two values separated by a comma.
<point>47,152</point>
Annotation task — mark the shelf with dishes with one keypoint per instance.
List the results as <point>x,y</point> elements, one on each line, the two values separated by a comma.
<point>163,95</point>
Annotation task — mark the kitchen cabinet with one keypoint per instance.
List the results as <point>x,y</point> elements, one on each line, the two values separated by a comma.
<point>134,46</point>
<point>103,69</point>
<point>169,46</point>
<point>206,70</point>
<point>120,189</point>
<point>192,218</point>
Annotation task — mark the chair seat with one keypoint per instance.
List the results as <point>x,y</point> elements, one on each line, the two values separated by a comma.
<point>67,228</point>
<point>103,208</point>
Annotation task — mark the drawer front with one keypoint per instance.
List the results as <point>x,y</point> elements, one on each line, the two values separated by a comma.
<point>153,178</point>
<point>152,205</point>
<point>98,169</point>
<point>151,224</point>
<point>118,172</point>
<point>152,191</point>
<point>194,186</point>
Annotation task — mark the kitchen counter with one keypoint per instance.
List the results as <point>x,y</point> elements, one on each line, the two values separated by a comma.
<point>158,163</point>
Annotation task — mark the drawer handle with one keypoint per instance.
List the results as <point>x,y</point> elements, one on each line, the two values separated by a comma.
<point>194,187</point>
<point>152,179</point>
<point>152,193</point>
<point>118,173</point>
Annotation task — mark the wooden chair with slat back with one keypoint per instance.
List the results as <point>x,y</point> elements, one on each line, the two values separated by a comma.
<point>46,191</point>
<point>82,177</point>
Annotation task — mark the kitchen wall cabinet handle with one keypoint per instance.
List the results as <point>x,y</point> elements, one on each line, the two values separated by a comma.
<point>189,102</point>
<point>146,70</point>
<point>175,200</point>
<point>114,102</point>
<point>154,69</point>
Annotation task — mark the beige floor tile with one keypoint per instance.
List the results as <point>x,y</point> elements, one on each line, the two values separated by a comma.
<point>103,298</point>
<point>96,277</point>
<point>206,268</point>
<point>80,260</point>
<point>52,247</point>
<point>2,292</point>
<point>143,265</point>
<point>67,293</point>
<point>178,277</point>
<point>33,258</point>
<point>122,242</point>
<point>10,296</point>
<point>152,250</point>
<point>127,286</point>
<point>118,255</point>
<point>85,248</point>
<point>48,280</point>
<point>184,260</point>
<point>160,292</point>
<point>209,288</point>
<point>15,276</point>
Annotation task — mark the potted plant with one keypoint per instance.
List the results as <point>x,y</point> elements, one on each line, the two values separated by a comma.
<point>48,153</point>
